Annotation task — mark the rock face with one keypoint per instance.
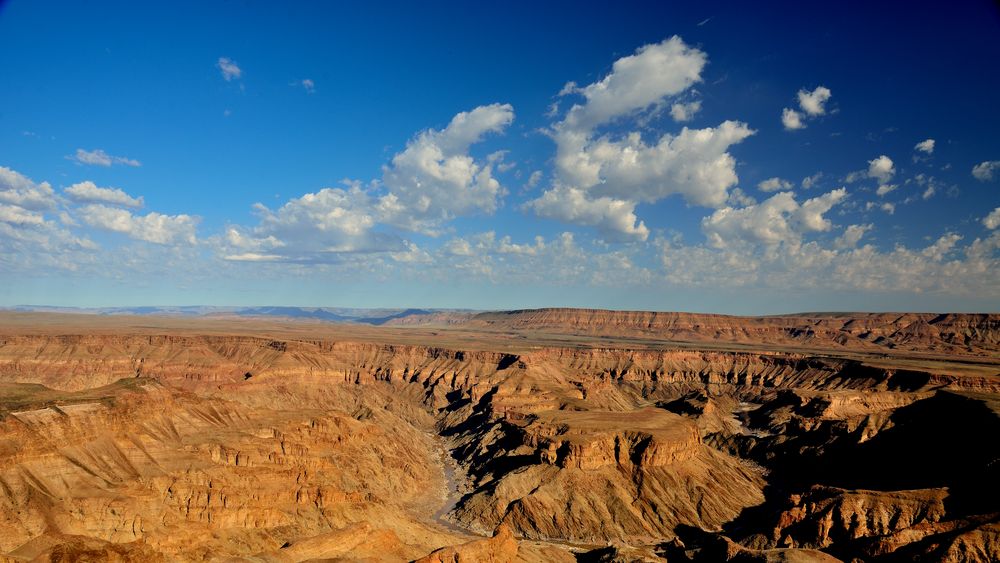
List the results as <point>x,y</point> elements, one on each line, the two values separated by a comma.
<point>191,446</point>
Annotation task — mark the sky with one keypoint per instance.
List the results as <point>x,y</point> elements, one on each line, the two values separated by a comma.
<point>713,157</point>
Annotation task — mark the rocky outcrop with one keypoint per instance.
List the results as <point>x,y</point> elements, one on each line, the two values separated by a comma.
<point>594,476</point>
<point>824,515</point>
<point>501,548</point>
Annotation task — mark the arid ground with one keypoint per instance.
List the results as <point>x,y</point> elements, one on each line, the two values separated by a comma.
<point>542,435</point>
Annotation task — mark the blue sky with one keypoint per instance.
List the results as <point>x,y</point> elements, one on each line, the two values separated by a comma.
<point>646,155</point>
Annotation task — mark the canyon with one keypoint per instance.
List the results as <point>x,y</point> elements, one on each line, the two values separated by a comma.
<point>536,435</point>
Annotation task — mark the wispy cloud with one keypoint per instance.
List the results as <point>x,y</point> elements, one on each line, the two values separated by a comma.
<point>230,70</point>
<point>98,157</point>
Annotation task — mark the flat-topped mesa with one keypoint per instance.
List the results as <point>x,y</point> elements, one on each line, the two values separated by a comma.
<point>975,333</point>
<point>647,438</point>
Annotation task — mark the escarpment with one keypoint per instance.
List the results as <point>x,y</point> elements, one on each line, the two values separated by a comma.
<point>188,446</point>
<point>956,333</point>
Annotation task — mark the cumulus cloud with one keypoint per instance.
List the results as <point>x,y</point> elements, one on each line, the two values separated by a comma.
<point>28,236</point>
<point>881,168</point>
<point>637,82</point>
<point>98,157</point>
<point>615,219</point>
<point>15,215</point>
<point>791,119</point>
<point>600,178</point>
<point>774,184</point>
<point>431,181</point>
<point>88,192</point>
<point>308,85</point>
<point>682,112</point>
<point>315,227</point>
<point>738,198</point>
<point>779,219</point>
<point>435,179</point>
<point>926,147</point>
<point>153,227</point>
<point>229,69</point>
<point>19,190</point>
<point>984,171</point>
<point>992,221</point>
<point>814,103</point>
<point>695,163</point>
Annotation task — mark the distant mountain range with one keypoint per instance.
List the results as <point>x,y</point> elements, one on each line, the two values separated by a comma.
<point>328,314</point>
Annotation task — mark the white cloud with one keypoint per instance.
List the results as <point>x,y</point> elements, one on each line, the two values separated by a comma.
<point>458,247</point>
<point>153,227</point>
<point>814,103</point>
<point>774,184</point>
<point>852,236</point>
<point>810,181</point>
<point>695,164</point>
<point>98,157</point>
<point>557,260</point>
<point>316,227</point>
<point>637,82</point>
<point>925,146</point>
<point>984,171</point>
<point>88,192</point>
<point>533,180</point>
<point>791,119</point>
<point>886,206</point>
<point>17,189</point>
<point>739,198</point>
<point>308,85</point>
<point>435,179</point>
<point>600,178</point>
<point>881,168</point>
<point>682,112</point>
<point>229,69</point>
<point>568,88</point>
<point>930,184</point>
<point>884,189</point>
<point>614,218</point>
<point>15,215</point>
<point>779,219</point>
<point>992,221</point>
<point>941,247</point>
<point>28,239</point>
<point>941,267</point>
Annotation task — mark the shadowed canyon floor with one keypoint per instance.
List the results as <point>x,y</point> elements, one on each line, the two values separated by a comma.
<point>549,435</point>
